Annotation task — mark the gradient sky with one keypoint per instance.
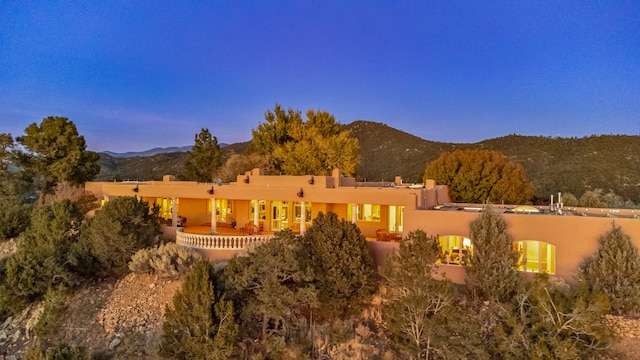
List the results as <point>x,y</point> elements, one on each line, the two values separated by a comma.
<point>133,75</point>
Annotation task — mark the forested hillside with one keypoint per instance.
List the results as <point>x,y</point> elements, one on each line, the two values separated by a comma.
<point>573,165</point>
<point>152,167</point>
<point>568,165</point>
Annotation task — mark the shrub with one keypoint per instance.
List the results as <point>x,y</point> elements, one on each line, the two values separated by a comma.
<point>54,308</point>
<point>168,260</point>
<point>117,231</point>
<point>593,199</point>
<point>46,255</point>
<point>57,352</point>
<point>14,217</point>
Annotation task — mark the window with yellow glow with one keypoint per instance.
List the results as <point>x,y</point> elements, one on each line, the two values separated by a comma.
<point>224,210</point>
<point>396,215</point>
<point>364,212</point>
<point>297,212</point>
<point>536,256</point>
<point>262,209</point>
<point>455,249</point>
<point>166,207</point>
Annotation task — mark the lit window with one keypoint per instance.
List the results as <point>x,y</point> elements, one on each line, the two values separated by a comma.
<point>224,210</point>
<point>455,249</point>
<point>166,207</point>
<point>297,212</point>
<point>365,212</point>
<point>262,209</point>
<point>536,256</point>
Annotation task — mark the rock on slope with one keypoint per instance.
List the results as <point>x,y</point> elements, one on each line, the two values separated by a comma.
<point>130,310</point>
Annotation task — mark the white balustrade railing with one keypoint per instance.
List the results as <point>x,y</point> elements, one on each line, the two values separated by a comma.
<point>219,242</point>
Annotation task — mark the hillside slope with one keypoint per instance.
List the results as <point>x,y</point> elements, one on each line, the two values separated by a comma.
<point>574,165</point>
<point>152,167</point>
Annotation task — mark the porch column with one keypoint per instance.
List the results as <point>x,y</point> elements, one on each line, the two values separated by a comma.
<point>174,212</point>
<point>354,213</point>
<point>303,218</point>
<point>256,216</point>
<point>214,216</point>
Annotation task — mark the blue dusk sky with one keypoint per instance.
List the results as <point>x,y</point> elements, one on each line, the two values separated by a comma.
<point>133,75</point>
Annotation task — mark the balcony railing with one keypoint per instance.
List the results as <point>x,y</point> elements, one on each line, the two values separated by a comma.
<point>219,242</point>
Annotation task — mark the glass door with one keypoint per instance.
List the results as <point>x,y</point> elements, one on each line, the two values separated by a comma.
<point>279,215</point>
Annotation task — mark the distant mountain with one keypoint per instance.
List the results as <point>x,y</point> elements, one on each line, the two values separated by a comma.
<point>154,151</point>
<point>573,165</point>
<point>166,161</point>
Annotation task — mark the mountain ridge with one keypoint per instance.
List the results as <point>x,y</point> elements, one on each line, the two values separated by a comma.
<point>553,164</point>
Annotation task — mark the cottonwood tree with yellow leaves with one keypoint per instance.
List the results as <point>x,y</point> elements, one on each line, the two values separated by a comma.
<point>314,146</point>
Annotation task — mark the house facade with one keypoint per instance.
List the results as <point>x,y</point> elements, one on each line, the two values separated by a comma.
<point>221,220</point>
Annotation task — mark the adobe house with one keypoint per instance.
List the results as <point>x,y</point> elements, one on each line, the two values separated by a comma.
<point>221,220</point>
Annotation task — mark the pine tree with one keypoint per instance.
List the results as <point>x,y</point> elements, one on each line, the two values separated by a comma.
<point>615,270</point>
<point>263,284</point>
<point>56,153</point>
<point>200,325</point>
<point>493,273</point>
<point>205,157</point>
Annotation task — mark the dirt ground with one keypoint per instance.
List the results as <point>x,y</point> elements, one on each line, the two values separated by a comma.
<point>113,320</point>
<point>123,319</point>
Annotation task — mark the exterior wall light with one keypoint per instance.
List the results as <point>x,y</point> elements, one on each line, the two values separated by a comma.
<point>136,189</point>
<point>311,180</point>
<point>246,179</point>
<point>210,191</point>
<point>300,193</point>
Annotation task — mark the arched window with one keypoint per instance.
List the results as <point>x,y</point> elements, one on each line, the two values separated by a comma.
<point>536,256</point>
<point>455,249</point>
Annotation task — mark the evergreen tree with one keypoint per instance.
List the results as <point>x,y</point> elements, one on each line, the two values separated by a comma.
<point>47,255</point>
<point>422,312</point>
<point>614,270</point>
<point>55,153</point>
<point>205,157</point>
<point>552,321</point>
<point>15,212</point>
<point>200,325</point>
<point>264,285</point>
<point>336,254</point>
<point>493,273</point>
<point>117,231</point>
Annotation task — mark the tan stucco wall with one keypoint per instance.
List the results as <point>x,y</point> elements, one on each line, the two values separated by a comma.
<point>575,237</point>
